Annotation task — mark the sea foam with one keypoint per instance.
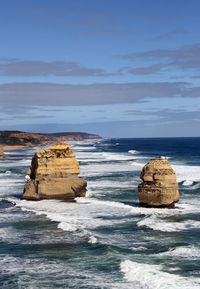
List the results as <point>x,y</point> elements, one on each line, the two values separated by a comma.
<point>150,276</point>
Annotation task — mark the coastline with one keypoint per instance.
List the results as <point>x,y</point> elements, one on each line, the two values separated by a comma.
<point>13,148</point>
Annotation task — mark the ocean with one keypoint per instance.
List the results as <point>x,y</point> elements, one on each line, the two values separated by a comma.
<point>105,240</point>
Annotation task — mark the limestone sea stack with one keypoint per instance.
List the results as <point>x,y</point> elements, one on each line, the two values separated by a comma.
<point>1,150</point>
<point>2,155</point>
<point>159,187</point>
<point>54,175</point>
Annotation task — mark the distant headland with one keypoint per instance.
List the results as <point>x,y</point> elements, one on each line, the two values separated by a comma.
<point>19,139</point>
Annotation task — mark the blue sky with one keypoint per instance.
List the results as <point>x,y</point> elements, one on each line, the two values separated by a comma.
<point>117,68</point>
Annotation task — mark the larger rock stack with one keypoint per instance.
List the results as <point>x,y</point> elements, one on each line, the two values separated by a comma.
<point>159,187</point>
<point>54,175</point>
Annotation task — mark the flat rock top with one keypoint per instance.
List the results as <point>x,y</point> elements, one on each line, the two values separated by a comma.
<point>59,146</point>
<point>158,165</point>
<point>155,168</point>
<point>58,160</point>
<point>58,150</point>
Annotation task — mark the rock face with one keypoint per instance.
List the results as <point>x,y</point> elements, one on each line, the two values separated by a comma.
<point>2,155</point>
<point>54,175</point>
<point>159,187</point>
<point>1,151</point>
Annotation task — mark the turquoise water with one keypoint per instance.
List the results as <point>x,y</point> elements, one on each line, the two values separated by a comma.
<point>105,240</point>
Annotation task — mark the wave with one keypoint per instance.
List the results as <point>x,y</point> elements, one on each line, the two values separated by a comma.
<point>8,174</point>
<point>96,169</point>
<point>93,240</point>
<point>82,215</point>
<point>185,172</point>
<point>185,252</point>
<point>89,213</point>
<point>83,148</point>
<point>165,157</point>
<point>69,274</point>
<point>153,277</point>
<point>13,182</point>
<point>156,223</point>
<point>15,163</point>
<point>112,184</point>
<point>133,151</point>
<point>187,183</point>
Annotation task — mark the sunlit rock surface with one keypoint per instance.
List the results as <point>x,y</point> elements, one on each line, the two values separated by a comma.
<point>159,187</point>
<point>54,175</point>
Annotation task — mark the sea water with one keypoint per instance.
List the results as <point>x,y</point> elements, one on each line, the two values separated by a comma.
<point>106,240</point>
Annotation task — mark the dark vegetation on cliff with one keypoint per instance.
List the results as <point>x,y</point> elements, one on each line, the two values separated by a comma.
<point>8,137</point>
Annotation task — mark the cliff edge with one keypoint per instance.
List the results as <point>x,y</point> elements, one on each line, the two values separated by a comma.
<point>20,138</point>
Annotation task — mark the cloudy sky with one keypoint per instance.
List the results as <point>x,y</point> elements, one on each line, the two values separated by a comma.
<point>119,68</point>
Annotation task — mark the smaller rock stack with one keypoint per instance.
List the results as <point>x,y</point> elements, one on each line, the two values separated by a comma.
<point>54,175</point>
<point>159,187</point>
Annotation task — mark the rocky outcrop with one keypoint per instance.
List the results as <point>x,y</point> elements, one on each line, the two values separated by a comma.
<point>159,187</point>
<point>54,175</point>
<point>2,155</point>
<point>1,151</point>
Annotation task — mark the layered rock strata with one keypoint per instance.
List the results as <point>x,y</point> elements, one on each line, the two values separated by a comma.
<point>54,175</point>
<point>2,155</point>
<point>1,150</point>
<point>159,187</point>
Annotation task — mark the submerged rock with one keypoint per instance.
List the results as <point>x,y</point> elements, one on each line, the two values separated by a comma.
<point>159,187</point>
<point>54,175</point>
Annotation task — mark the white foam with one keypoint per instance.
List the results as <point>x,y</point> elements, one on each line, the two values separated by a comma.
<point>195,187</point>
<point>133,152</point>
<point>109,168</point>
<point>15,163</point>
<point>117,157</point>
<point>84,215</point>
<point>188,183</point>
<point>185,252</point>
<point>100,157</point>
<point>184,172</point>
<point>126,209</point>
<point>112,184</point>
<point>11,182</point>
<point>66,226</point>
<point>149,276</point>
<point>83,148</point>
<point>156,223</point>
<point>92,240</point>
<point>7,173</point>
<point>165,157</point>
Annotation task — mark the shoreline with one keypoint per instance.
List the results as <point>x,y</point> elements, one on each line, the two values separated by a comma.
<point>12,148</point>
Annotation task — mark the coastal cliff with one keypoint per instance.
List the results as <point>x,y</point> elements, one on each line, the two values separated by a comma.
<point>1,151</point>
<point>19,138</point>
<point>54,175</point>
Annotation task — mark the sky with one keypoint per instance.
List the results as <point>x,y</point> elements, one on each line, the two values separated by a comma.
<point>118,68</point>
